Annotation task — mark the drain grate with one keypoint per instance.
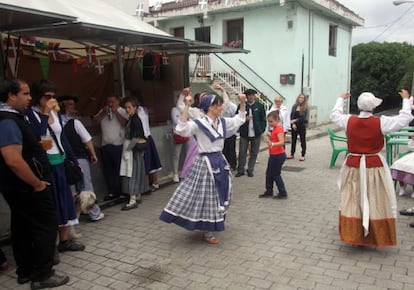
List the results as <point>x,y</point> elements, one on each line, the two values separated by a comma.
<point>292,168</point>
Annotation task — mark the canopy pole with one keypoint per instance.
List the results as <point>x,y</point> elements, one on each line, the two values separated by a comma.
<point>120,69</point>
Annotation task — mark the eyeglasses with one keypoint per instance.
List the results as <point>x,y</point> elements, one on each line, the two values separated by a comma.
<point>49,96</point>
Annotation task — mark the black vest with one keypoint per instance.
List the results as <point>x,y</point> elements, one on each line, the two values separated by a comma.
<point>32,152</point>
<point>75,140</point>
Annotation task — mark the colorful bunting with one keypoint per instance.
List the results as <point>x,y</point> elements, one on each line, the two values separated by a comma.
<point>164,58</point>
<point>100,67</point>
<point>44,64</point>
<point>53,50</point>
<point>91,53</point>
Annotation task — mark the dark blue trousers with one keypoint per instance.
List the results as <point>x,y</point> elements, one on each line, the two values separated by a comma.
<point>273,173</point>
<point>111,162</point>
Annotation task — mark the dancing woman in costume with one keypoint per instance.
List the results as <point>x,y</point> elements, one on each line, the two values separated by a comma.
<point>201,201</point>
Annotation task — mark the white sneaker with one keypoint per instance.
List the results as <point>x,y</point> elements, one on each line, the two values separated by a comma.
<point>412,195</point>
<point>100,216</point>
<point>176,179</point>
<point>155,186</point>
<point>401,192</point>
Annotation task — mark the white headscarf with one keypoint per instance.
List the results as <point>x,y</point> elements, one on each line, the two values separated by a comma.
<point>368,102</point>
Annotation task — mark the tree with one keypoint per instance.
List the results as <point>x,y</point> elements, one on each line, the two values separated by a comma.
<point>381,68</point>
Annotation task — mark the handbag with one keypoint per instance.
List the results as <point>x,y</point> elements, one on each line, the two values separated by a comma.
<point>72,171</point>
<point>178,139</point>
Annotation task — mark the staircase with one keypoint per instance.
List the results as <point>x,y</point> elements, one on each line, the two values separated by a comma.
<point>208,69</point>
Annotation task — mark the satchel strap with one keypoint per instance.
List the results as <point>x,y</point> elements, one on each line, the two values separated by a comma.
<point>52,133</point>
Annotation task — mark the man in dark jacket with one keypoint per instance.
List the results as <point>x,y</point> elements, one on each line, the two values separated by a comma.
<point>24,183</point>
<point>251,133</point>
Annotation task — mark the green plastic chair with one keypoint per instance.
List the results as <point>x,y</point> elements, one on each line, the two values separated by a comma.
<point>334,138</point>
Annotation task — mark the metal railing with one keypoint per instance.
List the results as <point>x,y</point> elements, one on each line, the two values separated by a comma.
<point>212,68</point>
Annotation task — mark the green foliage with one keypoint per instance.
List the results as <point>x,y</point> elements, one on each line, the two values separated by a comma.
<point>381,68</point>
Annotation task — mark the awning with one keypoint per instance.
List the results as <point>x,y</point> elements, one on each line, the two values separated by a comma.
<point>103,25</point>
<point>17,14</point>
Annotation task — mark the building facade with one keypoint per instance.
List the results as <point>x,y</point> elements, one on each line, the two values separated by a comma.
<point>295,46</point>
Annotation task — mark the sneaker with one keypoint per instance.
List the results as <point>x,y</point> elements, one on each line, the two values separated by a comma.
<point>70,245</point>
<point>99,217</point>
<point>51,282</point>
<point>302,159</point>
<point>176,179</point>
<point>290,157</point>
<point>154,187</point>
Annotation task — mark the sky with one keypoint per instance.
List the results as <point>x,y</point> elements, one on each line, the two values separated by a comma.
<point>384,21</point>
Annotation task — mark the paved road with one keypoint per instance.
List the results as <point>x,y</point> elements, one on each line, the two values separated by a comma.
<point>268,244</point>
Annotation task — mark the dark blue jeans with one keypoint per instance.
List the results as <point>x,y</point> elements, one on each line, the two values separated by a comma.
<point>273,174</point>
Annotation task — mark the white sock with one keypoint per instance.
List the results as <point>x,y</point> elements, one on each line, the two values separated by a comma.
<point>133,199</point>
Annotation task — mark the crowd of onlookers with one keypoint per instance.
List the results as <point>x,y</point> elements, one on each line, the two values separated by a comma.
<point>42,137</point>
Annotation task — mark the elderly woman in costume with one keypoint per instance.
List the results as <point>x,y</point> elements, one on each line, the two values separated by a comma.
<point>201,201</point>
<point>368,203</point>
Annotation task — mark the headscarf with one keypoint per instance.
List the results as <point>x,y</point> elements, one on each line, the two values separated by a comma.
<point>206,100</point>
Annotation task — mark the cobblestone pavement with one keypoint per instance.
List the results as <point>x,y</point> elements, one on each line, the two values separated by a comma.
<point>267,244</point>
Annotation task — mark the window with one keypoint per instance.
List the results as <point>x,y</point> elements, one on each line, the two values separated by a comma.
<point>234,33</point>
<point>178,32</point>
<point>202,34</point>
<point>333,31</point>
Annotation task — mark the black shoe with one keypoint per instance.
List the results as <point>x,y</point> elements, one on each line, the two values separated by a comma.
<point>128,206</point>
<point>407,211</point>
<point>265,195</point>
<point>23,279</point>
<point>51,282</point>
<point>238,174</point>
<point>280,196</point>
<point>411,225</point>
<point>70,245</point>
<point>111,197</point>
<point>250,174</point>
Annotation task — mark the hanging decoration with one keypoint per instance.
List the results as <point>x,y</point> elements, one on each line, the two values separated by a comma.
<point>100,67</point>
<point>44,64</point>
<point>52,50</point>
<point>91,54</point>
<point>164,57</point>
<point>141,54</point>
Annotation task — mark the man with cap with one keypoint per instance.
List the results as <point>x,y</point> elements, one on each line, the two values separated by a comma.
<point>368,203</point>
<point>251,133</point>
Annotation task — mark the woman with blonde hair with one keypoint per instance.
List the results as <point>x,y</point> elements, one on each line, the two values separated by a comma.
<point>298,121</point>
